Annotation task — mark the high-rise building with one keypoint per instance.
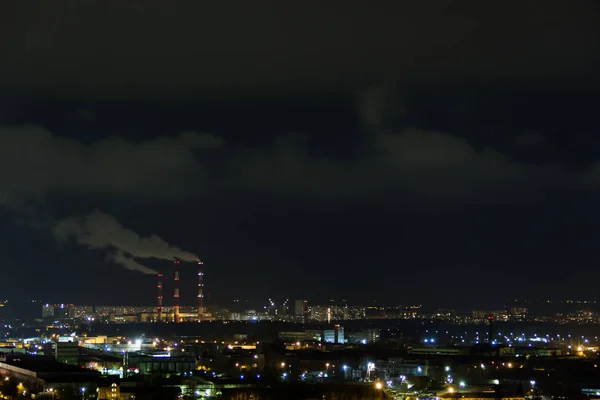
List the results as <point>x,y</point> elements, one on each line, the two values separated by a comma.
<point>518,312</point>
<point>64,311</point>
<point>301,309</point>
<point>320,313</point>
<point>298,307</point>
<point>48,310</point>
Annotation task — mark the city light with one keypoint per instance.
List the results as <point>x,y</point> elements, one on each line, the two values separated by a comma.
<point>378,385</point>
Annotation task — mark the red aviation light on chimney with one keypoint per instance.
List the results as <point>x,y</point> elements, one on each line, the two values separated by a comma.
<point>200,292</point>
<point>176,297</point>
<point>159,297</point>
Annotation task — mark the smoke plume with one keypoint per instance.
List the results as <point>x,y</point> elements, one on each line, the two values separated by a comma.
<point>100,231</point>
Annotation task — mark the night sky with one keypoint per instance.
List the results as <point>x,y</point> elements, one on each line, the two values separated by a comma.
<point>439,152</point>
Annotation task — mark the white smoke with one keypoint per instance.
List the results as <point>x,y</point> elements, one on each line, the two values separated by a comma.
<point>101,231</point>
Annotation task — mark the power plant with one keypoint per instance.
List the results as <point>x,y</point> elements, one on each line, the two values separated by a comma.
<point>159,307</point>
<point>200,293</point>
<point>176,296</point>
<point>176,316</point>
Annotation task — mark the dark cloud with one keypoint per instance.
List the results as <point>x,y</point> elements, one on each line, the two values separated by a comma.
<point>99,231</point>
<point>422,163</point>
<point>413,164</point>
<point>158,49</point>
<point>36,161</point>
<point>529,139</point>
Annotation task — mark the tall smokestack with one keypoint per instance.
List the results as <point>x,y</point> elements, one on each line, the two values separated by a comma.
<point>200,292</point>
<point>176,296</point>
<point>159,299</point>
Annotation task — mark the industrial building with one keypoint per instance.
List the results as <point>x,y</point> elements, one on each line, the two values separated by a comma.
<point>35,374</point>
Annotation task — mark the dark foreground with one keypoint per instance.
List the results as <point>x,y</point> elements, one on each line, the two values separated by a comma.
<point>307,392</point>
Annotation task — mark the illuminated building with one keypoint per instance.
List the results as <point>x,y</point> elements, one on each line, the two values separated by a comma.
<point>365,336</point>
<point>64,311</point>
<point>109,392</point>
<point>518,312</point>
<point>67,350</point>
<point>48,311</point>
<point>335,335</point>
<point>301,309</point>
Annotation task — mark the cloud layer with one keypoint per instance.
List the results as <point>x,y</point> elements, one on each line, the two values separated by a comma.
<point>429,164</point>
<point>36,161</point>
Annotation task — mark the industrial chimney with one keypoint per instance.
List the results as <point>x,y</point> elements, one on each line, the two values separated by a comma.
<point>159,299</point>
<point>176,296</point>
<point>200,292</point>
